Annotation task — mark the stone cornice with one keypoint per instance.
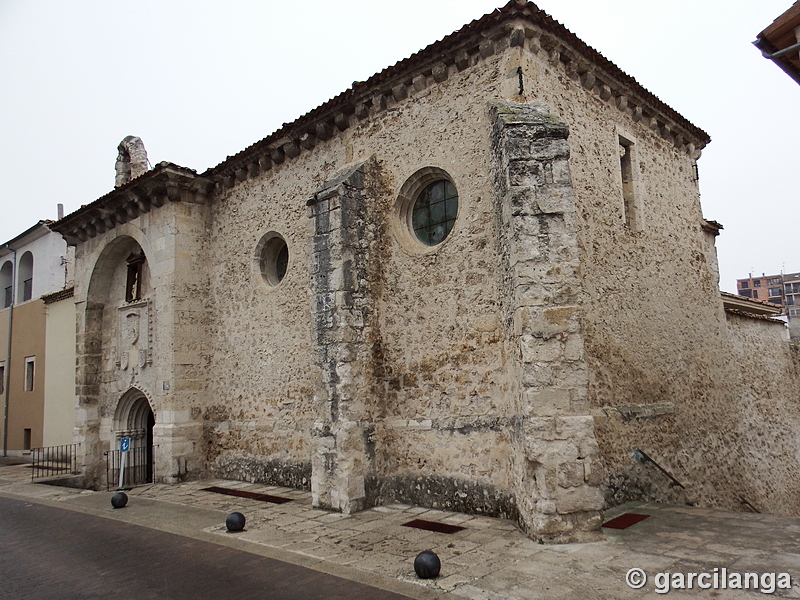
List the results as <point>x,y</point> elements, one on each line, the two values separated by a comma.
<point>517,24</point>
<point>167,182</point>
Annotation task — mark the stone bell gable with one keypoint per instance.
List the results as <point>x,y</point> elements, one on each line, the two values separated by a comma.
<point>438,288</point>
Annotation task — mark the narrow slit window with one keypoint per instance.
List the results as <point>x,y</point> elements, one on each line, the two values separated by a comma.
<point>30,372</point>
<point>626,171</point>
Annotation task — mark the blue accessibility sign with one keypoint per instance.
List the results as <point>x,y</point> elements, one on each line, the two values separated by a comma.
<point>124,444</point>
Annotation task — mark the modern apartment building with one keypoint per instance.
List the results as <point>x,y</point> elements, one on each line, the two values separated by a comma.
<point>782,289</point>
<point>37,340</point>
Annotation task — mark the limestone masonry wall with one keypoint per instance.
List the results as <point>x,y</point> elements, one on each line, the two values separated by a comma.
<point>259,412</point>
<point>764,438</point>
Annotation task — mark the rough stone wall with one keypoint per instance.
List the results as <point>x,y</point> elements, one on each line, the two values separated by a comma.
<point>436,370</point>
<point>765,439</point>
<point>557,323</point>
<point>662,377</point>
<point>652,322</point>
<point>446,391</point>
<point>258,414</point>
<point>444,422</point>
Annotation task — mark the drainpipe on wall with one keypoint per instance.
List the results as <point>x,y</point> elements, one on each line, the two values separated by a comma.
<point>7,374</point>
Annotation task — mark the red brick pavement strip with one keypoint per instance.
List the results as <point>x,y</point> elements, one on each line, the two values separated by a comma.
<point>49,553</point>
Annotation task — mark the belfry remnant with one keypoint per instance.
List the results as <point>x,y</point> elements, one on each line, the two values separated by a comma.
<point>131,160</point>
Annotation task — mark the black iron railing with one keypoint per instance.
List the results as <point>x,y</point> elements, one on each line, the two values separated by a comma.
<point>138,467</point>
<point>54,460</point>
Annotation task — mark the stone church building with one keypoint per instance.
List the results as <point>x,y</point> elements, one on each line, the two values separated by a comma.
<point>480,280</point>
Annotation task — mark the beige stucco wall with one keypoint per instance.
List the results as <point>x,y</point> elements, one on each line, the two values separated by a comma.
<point>25,408</point>
<point>59,381</point>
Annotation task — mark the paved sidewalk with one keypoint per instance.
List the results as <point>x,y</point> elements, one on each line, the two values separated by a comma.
<point>54,554</point>
<point>490,559</point>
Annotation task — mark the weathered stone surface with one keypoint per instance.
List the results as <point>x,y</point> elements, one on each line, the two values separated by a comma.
<point>489,373</point>
<point>131,161</point>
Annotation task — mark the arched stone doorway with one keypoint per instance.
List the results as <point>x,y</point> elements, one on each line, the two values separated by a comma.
<point>134,419</point>
<point>116,321</point>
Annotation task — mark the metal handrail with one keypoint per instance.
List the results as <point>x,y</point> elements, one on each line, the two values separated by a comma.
<point>49,461</point>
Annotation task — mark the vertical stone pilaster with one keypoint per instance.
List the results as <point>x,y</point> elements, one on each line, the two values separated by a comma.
<point>88,353</point>
<point>558,492</point>
<point>341,434</point>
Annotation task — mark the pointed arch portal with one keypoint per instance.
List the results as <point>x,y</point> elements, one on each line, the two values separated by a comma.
<point>135,419</point>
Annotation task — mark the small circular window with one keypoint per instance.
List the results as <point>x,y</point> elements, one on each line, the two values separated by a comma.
<point>272,254</point>
<point>434,212</point>
<point>427,208</point>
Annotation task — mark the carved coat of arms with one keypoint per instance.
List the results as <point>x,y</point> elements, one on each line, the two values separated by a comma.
<point>133,349</point>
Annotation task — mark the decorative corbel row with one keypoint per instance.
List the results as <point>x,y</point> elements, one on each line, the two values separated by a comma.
<point>362,108</point>
<point>577,68</point>
<point>126,204</point>
<point>515,34</point>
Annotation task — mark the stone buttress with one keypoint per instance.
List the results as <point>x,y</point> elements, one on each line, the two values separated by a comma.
<point>556,455</point>
<point>342,434</point>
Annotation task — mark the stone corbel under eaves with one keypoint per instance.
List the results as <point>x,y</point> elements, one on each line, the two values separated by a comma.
<point>141,196</point>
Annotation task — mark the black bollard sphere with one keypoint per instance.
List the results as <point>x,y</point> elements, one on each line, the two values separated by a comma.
<point>427,565</point>
<point>119,500</point>
<point>235,521</point>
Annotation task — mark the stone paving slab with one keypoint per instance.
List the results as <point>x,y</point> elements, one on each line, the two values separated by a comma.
<point>490,559</point>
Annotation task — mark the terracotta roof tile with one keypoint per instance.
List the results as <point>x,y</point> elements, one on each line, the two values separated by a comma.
<point>434,52</point>
<point>60,295</point>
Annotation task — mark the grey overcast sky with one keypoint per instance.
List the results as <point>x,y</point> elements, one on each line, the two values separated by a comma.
<point>201,80</point>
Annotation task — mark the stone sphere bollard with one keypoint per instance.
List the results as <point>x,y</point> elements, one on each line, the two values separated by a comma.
<point>235,521</point>
<point>427,565</point>
<point>119,500</point>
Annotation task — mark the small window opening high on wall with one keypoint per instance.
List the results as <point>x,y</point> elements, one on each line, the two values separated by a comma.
<point>133,288</point>
<point>626,170</point>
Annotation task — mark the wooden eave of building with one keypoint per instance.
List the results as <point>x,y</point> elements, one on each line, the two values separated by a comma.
<point>781,34</point>
<point>749,315</point>
<point>517,24</point>
<point>165,183</point>
<point>748,307</point>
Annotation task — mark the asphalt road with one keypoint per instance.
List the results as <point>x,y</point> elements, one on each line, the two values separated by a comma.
<point>52,553</point>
